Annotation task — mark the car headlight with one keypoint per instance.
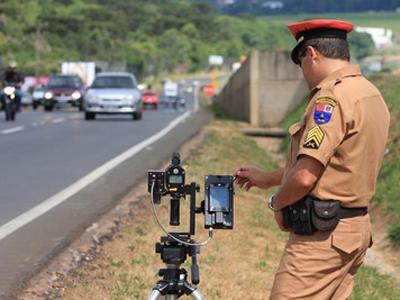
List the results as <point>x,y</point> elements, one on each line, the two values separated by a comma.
<point>9,90</point>
<point>76,95</point>
<point>48,95</point>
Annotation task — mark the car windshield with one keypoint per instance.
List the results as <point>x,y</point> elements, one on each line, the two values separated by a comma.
<point>113,82</point>
<point>64,82</point>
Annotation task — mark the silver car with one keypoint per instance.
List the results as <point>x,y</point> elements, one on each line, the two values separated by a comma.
<point>113,93</point>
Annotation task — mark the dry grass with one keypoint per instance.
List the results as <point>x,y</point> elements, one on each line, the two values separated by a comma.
<point>237,264</point>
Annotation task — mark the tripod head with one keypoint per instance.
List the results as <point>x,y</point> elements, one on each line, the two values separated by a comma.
<point>174,254</point>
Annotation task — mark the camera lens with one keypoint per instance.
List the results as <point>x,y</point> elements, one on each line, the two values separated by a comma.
<point>176,159</point>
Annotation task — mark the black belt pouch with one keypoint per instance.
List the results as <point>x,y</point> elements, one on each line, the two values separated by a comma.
<point>325,214</point>
<point>298,217</point>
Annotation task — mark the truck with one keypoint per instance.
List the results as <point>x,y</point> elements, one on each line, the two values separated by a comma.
<point>85,70</point>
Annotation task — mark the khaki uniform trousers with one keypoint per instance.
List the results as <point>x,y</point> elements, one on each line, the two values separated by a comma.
<point>322,266</point>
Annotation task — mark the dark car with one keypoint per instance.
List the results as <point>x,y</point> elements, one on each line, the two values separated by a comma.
<point>63,90</point>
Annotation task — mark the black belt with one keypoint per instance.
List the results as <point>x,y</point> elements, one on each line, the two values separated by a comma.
<point>351,212</point>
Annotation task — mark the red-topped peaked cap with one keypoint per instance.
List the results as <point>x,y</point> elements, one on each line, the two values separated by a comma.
<point>318,28</point>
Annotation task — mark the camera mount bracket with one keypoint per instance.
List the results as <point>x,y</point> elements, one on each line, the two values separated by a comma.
<point>174,253</point>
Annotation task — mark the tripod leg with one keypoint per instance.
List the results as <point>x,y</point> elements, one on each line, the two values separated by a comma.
<point>155,295</point>
<point>197,295</point>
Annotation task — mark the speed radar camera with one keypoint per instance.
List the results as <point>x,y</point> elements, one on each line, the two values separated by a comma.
<point>217,205</point>
<point>174,247</point>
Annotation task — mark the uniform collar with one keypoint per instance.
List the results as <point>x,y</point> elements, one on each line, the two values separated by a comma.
<point>350,70</point>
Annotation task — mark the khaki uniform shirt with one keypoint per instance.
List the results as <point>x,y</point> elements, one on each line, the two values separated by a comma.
<point>345,127</point>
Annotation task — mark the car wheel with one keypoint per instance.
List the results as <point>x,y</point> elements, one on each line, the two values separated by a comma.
<point>34,105</point>
<point>48,107</point>
<point>155,106</point>
<point>89,116</point>
<point>137,116</point>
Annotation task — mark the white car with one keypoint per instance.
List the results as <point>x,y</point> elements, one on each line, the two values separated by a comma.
<point>37,96</point>
<point>113,93</point>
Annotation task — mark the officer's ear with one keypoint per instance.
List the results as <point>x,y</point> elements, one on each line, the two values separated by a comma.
<point>312,53</point>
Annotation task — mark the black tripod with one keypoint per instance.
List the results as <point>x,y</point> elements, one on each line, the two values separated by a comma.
<point>174,249</point>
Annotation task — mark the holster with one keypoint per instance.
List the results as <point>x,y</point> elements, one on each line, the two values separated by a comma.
<point>309,215</point>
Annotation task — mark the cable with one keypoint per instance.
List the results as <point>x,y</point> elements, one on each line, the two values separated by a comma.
<point>210,230</point>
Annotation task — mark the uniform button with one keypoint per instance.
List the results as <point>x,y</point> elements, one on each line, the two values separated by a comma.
<point>325,212</point>
<point>304,211</point>
<point>294,211</point>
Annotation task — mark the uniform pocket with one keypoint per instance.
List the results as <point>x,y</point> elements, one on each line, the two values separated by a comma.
<point>346,242</point>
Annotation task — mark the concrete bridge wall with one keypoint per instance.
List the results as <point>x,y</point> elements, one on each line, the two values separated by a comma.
<point>264,89</point>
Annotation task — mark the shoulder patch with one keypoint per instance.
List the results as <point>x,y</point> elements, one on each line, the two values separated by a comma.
<point>326,100</point>
<point>323,110</point>
<point>314,138</point>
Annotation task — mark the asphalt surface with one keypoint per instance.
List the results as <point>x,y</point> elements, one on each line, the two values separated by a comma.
<point>44,153</point>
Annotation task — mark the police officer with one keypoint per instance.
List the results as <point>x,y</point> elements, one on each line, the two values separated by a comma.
<point>335,155</point>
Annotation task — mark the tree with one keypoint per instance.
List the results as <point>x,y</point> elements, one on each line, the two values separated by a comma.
<point>361,44</point>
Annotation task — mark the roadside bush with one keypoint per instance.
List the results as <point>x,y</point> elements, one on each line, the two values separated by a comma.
<point>394,234</point>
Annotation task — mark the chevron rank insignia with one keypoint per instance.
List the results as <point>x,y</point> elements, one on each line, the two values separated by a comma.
<point>314,138</point>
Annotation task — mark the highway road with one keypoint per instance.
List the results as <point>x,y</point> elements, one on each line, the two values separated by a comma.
<point>60,172</point>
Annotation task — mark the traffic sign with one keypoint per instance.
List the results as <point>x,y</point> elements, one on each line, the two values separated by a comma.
<point>209,90</point>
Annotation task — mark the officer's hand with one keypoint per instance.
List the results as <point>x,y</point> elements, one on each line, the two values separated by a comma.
<point>279,221</point>
<point>250,176</point>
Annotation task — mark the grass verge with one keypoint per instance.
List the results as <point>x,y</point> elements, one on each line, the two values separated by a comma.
<point>238,264</point>
<point>388,188</point>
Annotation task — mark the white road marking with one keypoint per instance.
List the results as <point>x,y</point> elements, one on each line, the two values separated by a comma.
<point>12,130</point>
<point>45,206</point>
<point>59,120</point>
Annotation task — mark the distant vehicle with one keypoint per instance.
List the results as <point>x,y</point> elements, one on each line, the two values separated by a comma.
<point>113,93</point>
<point>85,70</point>
<point>37,96</point>
<point>150,99</point>
<point>171,89</point>
<point>26,99</point>
<point>181,101</point>
<point>63,90</point>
